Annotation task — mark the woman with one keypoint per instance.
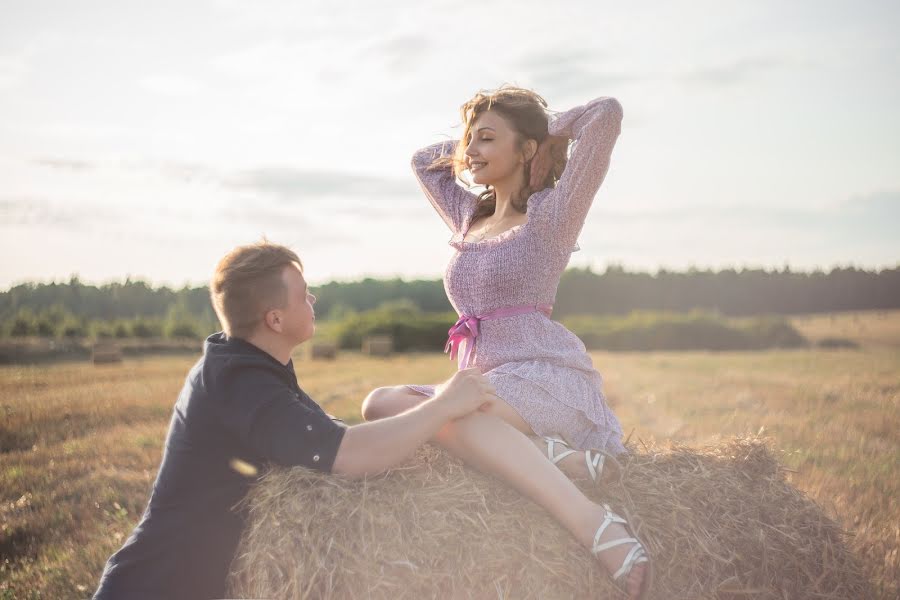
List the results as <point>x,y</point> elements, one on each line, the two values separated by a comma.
<point>512,243</point>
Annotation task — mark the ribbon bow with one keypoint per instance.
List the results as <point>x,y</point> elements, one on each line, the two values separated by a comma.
<point>465,329</point>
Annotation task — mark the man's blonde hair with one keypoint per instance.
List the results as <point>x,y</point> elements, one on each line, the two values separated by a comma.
<point>247,282</point>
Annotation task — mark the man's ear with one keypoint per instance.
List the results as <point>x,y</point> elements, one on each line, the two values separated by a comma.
<point>275,320</point>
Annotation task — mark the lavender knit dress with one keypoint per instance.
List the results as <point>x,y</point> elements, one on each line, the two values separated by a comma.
<point>537,366</point>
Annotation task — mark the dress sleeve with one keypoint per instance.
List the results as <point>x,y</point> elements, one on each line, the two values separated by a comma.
<point>272,421</point>
<point>594,127</point>
<point>451,201</point>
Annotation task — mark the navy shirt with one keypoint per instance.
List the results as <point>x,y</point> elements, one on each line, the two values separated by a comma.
<point>238,402</point>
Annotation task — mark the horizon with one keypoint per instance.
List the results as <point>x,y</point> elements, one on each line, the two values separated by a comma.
<point>133,143</point>
<point>125,279</point>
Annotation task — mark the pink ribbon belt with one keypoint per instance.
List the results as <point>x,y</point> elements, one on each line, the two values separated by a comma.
<point>466,328</point>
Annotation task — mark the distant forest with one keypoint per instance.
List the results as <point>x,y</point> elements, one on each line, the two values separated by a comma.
<point>615,291</point>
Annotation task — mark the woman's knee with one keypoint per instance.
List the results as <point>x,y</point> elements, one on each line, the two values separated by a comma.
<point>504,411</point>
<point>373,405</point>
<point>385,402</point>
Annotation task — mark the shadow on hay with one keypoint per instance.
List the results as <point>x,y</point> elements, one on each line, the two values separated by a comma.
<point>720,522</point>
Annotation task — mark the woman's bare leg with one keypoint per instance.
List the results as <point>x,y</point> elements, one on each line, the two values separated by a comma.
<point>490,444</point>
<point>389,401</point>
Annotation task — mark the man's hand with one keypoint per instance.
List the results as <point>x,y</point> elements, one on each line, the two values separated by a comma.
<point>373,447</point>
<point>468,390</point>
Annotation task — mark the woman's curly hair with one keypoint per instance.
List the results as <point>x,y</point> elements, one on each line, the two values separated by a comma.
<point>526,112</point>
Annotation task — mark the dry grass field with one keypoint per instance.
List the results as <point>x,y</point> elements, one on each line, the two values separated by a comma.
<point>79,444</point>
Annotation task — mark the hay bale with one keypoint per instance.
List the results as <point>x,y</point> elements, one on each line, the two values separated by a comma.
<point>323,351</point>
<point>720,522</point>
<point>104,353</point>
<point>378,345</point>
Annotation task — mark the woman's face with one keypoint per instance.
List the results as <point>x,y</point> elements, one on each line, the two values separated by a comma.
<point>492,152</point>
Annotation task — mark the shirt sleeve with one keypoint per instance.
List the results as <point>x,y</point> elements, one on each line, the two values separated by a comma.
<point>269,418</point>
<point>450,200</point>
<point>594,127</point>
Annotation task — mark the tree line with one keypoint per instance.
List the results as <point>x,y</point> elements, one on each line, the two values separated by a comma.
<point>135,308</point>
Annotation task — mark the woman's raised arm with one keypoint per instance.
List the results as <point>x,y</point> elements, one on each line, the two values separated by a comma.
<point>451,201</point>
<point>594,128</point>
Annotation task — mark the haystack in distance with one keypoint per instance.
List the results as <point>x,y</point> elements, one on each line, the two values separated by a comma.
<point>720,522</point>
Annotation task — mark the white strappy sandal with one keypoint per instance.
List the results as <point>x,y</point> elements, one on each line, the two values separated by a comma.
<point>637,554</point>
<point>594,459</point>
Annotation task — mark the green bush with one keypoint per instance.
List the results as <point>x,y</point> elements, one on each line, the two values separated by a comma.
<point>74,328</point>
<point>836,342</point>
<point>22,326</point>
<point>182,330</point>
<point>146,328</point>
<point>410,328</point>
<point>102,329</point>
<point>774,332</point>
<point>121,330</point>
<point>46,328</point>
<point>646,331</point>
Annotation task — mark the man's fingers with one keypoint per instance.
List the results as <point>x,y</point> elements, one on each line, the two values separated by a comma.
<point>492,398</point>
<point>489,400</point>
<point>487,386</point>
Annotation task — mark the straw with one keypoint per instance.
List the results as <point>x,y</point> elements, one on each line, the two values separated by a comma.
<point>719,521</point>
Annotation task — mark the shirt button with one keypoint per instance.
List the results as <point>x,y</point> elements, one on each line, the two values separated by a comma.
<point>315,458</point>
<point>309,427</point>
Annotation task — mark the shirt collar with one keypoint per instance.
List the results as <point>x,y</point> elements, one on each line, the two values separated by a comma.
<point>242,346</point>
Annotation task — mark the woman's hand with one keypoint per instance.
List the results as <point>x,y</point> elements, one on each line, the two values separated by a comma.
<point>545,159</point>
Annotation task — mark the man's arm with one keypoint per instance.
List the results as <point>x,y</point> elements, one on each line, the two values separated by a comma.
<point>370,448</point>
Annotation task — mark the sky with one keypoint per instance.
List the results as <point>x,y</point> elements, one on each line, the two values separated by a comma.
<point>146,139</point>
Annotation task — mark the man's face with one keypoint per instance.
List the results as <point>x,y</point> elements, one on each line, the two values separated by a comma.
<point>299,319</point>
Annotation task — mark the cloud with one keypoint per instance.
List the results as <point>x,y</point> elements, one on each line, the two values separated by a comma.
<point>861,228</point>
<point>732,73</point>
<point>64,164</point>
<point>571,72</point>
<point>872,215</point>
<point>171,85</point>
<point>871,210</point>
<point>187,172</point>
<point>401,53</point>
<point>268,59</point>
<point>267,189</point>
<point>13,70</point>
<point>295,183</point>
<point>33,210</point>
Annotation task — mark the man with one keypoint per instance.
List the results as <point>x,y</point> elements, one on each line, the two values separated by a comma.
<point>241,407</point>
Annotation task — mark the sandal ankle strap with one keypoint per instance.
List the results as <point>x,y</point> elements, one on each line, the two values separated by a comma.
<point>550,443</point>
<point>595,464</point>
<point>635,556</point>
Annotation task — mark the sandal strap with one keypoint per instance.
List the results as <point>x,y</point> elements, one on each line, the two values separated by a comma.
<point>594,464</point>
<point>593,460</point>
<point>612,544</point>
<point>609,519</point>
<point>635,556</point>
<point>550,443</point>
